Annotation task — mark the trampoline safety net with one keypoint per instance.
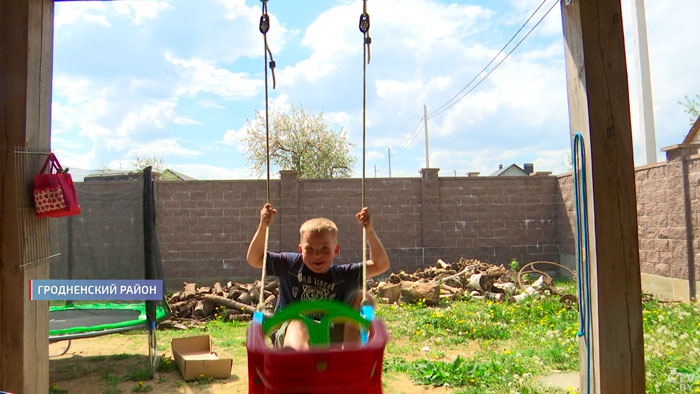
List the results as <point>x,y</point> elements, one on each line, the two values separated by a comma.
<point>114,237</point>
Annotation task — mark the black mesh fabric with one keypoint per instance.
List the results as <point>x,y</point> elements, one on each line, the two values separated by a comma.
<point>114,237</point>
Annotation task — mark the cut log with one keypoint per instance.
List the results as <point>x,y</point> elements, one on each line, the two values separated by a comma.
<point>390,291</point>
<point>393,278</point>
<point>174,298</point>
<point>179,307</point>
<point>480,282</point>
<point>442,264</point>
<point>414,291</point>
<point>271,286</point>
<point>245,298</point>
<point>189,292</point>
<point>172,325</point>
<point>234,293</point>
<point>254,294</point>
<point>243,317</point>
<point>202,309</point>
<point>451,289</point>
<point>218,289</point>
<point>232,304</point>
<point>271,301</point>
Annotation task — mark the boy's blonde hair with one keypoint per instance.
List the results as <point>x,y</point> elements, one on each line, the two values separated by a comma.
<point>317,226</point>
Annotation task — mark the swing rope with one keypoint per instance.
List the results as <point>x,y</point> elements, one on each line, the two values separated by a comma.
<point>264,28</point>
<point>364,29</point>
<point>367,40</point>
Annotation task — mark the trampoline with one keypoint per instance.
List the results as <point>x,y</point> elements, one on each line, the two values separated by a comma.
<point>113,238</point>
<point>91,320</point>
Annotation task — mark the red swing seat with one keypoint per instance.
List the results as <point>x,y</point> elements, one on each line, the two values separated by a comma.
<point>352,370</point>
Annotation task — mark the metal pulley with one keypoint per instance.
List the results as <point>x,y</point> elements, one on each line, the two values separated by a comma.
<point>364,22</point>
<point>264,23</point>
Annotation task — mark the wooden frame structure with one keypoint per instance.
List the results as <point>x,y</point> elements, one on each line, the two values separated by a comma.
<point>598,107</point>
<point>26,60</point>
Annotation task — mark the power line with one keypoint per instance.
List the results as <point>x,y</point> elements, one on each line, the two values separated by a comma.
<point>460,95</point>
<point>498,64</point>
<point>489,63</point>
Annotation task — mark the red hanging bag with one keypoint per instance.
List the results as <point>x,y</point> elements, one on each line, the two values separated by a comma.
<point>54,191</point>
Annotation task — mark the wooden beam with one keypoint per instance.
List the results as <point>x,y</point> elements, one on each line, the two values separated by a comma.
<point>599,110</point>
<point>26,50</point>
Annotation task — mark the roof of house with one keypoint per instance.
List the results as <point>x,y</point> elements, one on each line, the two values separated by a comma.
<point>502,171</point>
<point>180,175</point>
<point>693,132</point>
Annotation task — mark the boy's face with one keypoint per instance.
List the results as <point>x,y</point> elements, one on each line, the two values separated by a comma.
<point>318,250</point>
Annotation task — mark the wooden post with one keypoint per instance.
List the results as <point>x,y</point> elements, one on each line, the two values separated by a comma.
<point>599,110</point>
<point>26,34</point>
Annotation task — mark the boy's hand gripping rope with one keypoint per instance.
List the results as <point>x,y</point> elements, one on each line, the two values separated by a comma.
<point>366,310</point>
<point>364,29</point>
<point>264,28</point>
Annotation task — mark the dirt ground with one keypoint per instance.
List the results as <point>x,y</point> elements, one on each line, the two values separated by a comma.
<point>89,367</point>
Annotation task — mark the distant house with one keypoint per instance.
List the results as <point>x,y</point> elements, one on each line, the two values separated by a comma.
<point>693,136</point>
<point>167,175</point>
<point>79,174</point>
<point>514,170</point>
<point>113,176</point>
<point>170,175</point>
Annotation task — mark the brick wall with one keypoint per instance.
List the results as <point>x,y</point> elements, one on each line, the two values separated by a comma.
<point>204,226</point>
<point>662,202</point>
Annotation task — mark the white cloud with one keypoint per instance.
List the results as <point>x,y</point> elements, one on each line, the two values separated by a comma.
<point>486,160</point>
<point>204,171</point>
<point>138,11</point>
<point>161,148</point>
<point>150,117</point>
<point>235,137</point>
<point>238,34</point>
<point>81,106</point>
<point>337,120</point>
<point>73,13</point>
<point>416,27</point>
<point>100,13</point>
<point>373,154</point>
<point>197,76</point>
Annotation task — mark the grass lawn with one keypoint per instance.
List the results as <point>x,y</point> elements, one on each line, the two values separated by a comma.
<point>468,346</point>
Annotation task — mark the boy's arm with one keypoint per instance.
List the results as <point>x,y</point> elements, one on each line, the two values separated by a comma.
<point>256,249</point>
<point>378,262</point>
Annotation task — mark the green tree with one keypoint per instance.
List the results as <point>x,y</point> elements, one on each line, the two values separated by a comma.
<point>142,162</point>
<point>299,141</point>
<point>158,164</point>
<point>692,107</point>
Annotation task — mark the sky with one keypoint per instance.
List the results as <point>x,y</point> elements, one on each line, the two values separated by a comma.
<point>182,80</point>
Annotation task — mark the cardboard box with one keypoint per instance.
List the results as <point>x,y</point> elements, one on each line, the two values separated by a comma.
<point>194,358</point>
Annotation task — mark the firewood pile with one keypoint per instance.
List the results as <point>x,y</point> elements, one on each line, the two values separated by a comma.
<point>235,301</point>
<point>464,278</point>
<point>474,279</point>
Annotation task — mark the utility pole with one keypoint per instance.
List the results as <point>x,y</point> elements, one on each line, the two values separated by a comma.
<point>646,133</point>
<point>427,154</point>
<point>389,162</point>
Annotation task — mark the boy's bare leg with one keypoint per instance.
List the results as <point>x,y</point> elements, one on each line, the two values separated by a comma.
<point>297,336</point>
<point>352,332</point>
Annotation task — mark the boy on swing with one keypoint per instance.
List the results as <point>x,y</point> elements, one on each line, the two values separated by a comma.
<point>310,273</point>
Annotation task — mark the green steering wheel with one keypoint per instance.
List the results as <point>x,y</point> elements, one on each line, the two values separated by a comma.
<point>318,331</point>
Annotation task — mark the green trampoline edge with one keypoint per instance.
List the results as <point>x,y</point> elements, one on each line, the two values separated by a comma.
<point>161,314</point>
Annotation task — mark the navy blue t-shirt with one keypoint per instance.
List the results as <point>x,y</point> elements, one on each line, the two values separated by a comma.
<point>299,283</point>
